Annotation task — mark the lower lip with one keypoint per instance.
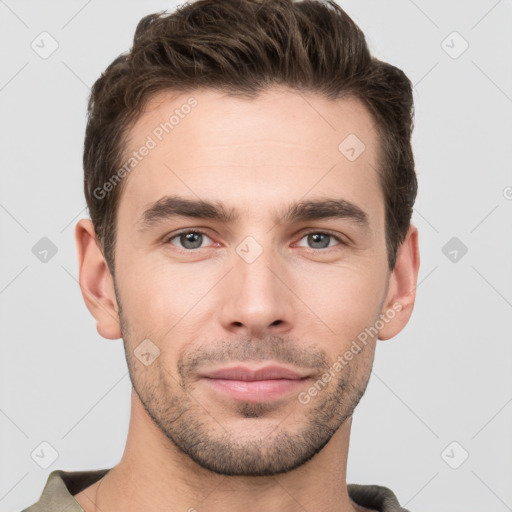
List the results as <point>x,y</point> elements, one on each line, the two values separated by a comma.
<point>256,390</point>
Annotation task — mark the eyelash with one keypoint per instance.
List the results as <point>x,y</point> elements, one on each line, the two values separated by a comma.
<point>200,231</point>
<point>185,232</point>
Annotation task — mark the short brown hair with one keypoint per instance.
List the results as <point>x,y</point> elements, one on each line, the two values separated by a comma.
<point>243,47</point>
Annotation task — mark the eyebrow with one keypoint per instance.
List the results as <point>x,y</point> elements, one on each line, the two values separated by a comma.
<point>169,207</point>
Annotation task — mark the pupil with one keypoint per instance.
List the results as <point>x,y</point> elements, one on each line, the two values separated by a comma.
<point>319,240</point>
<point>191,240</point>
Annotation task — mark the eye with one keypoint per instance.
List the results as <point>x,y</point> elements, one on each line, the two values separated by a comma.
<point>188,240</point>
<point>320,240</point>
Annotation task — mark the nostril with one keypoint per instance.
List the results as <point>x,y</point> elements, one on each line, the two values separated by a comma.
<point>277,322</point>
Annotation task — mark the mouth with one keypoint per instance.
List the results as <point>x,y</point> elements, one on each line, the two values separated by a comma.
<point>255,384</point>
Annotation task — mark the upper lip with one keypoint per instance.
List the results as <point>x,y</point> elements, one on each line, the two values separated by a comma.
<point>251,374</point>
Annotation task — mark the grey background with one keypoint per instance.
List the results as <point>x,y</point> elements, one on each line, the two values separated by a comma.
<point>447,377</point>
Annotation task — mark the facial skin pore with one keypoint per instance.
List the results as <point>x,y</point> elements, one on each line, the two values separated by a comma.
<point>296,293</point>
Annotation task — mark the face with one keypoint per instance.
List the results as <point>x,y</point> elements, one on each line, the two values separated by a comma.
<point>250,254</point>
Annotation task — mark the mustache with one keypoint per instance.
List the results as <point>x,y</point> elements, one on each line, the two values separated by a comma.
<point>273,348</point>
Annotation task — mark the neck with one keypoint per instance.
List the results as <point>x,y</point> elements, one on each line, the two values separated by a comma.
<point>154,475</point>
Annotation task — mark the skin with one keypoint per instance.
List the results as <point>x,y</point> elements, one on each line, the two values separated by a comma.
<point>296,304</point>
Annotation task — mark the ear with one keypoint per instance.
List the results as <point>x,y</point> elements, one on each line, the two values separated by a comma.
<point>96,282</point>
<point>401,294</point>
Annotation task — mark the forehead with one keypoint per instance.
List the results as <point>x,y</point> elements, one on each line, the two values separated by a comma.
<point>283,115</point>
<point>208,144</point>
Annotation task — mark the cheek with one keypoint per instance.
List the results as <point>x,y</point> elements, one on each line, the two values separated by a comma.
<point>346,300</point>
<point>160,299</point>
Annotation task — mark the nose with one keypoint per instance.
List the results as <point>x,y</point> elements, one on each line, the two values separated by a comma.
<point>255,300</point>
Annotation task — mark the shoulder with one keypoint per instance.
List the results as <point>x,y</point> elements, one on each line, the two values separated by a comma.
<point>375,497</point>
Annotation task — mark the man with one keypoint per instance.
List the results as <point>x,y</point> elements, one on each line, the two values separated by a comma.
<point>250,181</point>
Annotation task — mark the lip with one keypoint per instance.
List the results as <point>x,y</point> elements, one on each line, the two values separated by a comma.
<point>255,384</point>
<point>245,373</point>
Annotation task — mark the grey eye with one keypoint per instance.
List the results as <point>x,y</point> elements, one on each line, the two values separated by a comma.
<point>318,240</point>
<point>189,240</point>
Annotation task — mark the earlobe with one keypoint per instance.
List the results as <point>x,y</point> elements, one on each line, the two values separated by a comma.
<point>401,294</point>
<point>96,282</point>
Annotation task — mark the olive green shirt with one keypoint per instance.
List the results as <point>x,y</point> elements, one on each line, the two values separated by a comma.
<point>61,486</point>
